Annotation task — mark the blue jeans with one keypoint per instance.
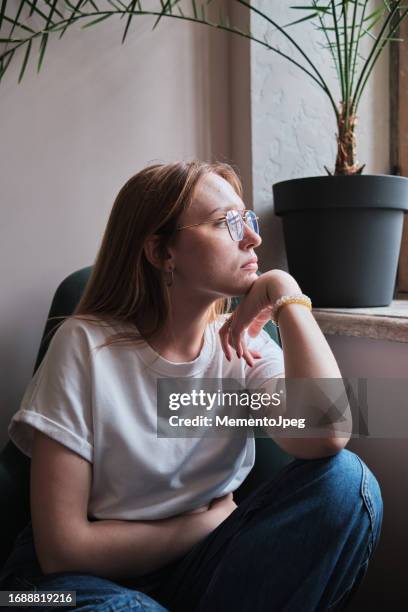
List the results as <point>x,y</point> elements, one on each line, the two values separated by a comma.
<point>300,542</point>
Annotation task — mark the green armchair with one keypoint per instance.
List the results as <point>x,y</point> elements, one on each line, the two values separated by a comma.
<point>15,466</point>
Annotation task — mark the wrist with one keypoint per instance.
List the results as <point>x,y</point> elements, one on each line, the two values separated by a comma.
<point>287,302</point>
<point>281,283</point>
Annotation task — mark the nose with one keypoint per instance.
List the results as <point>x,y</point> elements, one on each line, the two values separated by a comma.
<point>250,239</point>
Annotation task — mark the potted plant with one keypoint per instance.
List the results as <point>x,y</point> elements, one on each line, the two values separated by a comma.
<point>342,230</point>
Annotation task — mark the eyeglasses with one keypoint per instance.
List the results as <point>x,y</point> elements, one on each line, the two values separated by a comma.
<point>235,222</point>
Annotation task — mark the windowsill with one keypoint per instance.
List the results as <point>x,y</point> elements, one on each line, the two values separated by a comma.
<point>380,323</point>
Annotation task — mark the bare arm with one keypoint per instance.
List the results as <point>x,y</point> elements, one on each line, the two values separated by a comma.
<point>307,355</point>
<point>125,549</point>
<point>65,540</point>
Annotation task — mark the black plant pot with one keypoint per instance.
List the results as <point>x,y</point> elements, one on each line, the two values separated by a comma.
<point>343,236</point>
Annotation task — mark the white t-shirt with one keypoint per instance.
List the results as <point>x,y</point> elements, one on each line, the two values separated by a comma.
<point>103,406</point>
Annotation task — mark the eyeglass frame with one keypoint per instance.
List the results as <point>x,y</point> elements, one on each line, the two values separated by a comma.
<point>244,212</point>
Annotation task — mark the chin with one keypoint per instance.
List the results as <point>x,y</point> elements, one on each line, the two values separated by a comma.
<point>241,286</point>
<point>248,277</point>
<point>235,284</point>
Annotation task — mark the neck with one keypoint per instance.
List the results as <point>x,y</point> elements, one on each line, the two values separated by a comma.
<point>182,337</point>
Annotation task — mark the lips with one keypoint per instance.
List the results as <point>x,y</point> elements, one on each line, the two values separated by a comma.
<point>251,264</point>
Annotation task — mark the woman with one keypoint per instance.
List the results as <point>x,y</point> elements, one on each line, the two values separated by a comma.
<point>130,520</point>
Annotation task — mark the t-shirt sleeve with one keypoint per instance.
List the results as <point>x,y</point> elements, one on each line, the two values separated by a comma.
<point>57,401</point>
<point>271,365</point>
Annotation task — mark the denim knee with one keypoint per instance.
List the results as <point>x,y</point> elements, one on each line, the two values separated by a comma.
<point>139,602</point>
<point>351,483</point>
<point>96,593</point>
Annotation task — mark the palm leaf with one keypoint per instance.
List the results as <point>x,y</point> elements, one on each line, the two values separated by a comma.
<point>25,60</point>
<point>98,20</point>
<point>43,46</point>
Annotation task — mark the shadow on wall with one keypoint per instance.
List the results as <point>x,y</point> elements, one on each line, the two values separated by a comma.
<point>385,586</point>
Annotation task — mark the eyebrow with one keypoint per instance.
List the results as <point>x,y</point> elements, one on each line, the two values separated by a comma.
<point>225,209</point>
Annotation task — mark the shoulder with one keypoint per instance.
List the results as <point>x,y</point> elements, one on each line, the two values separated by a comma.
<point>83,325</point>
<point>75,336</point>
<point>68,330</point>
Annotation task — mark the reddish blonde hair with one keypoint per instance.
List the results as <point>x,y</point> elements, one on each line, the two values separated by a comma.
<point>124,288</point>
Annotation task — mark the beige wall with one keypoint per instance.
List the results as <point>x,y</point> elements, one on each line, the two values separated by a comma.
<point>71,136</point>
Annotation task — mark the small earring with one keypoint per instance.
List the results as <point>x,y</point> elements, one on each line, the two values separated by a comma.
<point>170,281</point>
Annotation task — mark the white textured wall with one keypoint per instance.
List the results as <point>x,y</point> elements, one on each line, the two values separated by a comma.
<point>70,137</point>
<point>293,124</point>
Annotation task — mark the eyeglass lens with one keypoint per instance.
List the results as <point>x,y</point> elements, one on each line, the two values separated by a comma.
<point>236,223</point>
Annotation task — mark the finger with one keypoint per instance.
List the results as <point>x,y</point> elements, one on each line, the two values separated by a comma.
<point>244,315</point>
<point>235,339</point>
<point>232,342</point>
<point>224,333</point>
<point>242,349</point>
<point>235,335</point>
<point>247,354</point>
<point>227,342</point>
<point>225,345</point>
<point>258,323</point>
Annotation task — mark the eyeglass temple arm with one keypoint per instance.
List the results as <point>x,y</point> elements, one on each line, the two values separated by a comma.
<point>202,223</point>
<point>213,220</point>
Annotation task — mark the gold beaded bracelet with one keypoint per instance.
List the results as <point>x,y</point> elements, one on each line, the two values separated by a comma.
<point>297,298</point>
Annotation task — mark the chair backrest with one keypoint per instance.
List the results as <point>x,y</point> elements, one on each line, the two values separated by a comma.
<point>15,466</point>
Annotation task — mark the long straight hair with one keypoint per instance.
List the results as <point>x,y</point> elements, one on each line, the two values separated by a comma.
<point>124,288</point>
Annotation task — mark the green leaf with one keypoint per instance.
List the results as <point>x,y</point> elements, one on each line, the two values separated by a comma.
<point>23,67</point>
<point>98,20</point>
<point>72,18</point>
<point>94,5</point>
<point>15,21</point>
<point>20,25</point>
<point>163,12</point>
<point>307,18</point>
<point>309,8</point>
<point>131,9</point>
<point>5,64</point>
<point>53,6</point>
<point>43,45</point>
<point>33,7</point>
<point>2,11</point>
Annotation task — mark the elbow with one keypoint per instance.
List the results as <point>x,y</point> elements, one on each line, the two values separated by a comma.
<point>60,557</point>
<point>49,562</point>
<point>50,566</point>
<point>329,447</point>
<point>52,563</point>
<point>311,448</point>
<point>57,564</point>
<point>337,444</point>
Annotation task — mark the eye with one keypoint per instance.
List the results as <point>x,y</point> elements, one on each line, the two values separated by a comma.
<point>222,223</point>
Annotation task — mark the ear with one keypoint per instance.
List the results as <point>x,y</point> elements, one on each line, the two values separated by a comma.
<point>153,251</point>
